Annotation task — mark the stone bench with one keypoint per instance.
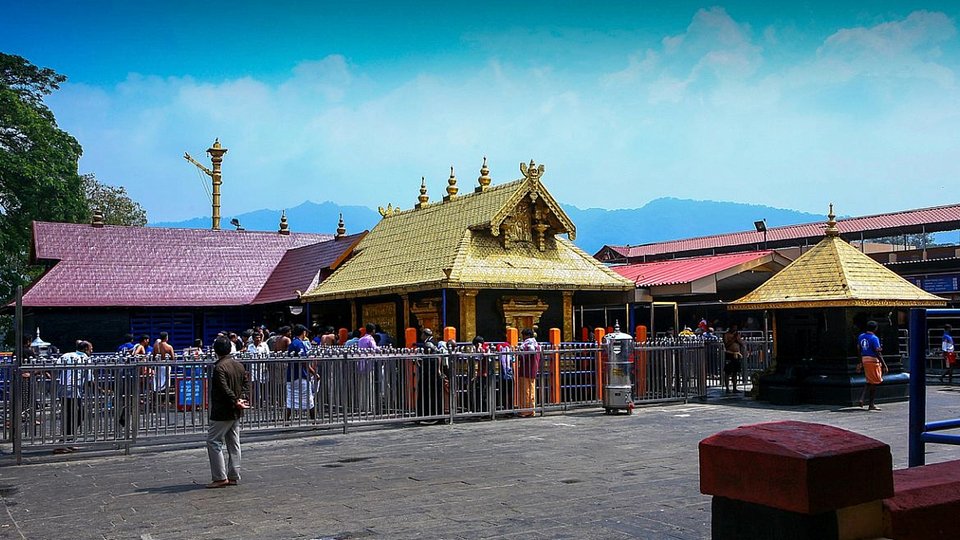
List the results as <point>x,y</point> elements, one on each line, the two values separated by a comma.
<point>803,481</point>
<point>926,503</point>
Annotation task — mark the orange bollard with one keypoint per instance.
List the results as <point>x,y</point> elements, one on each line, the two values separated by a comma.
<point>449,333</point>
<point>409,337</point>
<point>555,366</point>
<point>640,361</point>
<point>598,334</point>
<point>343,334</point>
<point>513,339</point>
<point>584,334</point>
<point>409,340</point>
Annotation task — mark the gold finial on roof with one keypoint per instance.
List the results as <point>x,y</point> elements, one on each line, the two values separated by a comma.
<point>832,229</point>
<point>423,198</point>
<point>341,229</point>
<point>97,218</point>
<point>284,227</point>
<point>533,172</point>
<point>452,188</point>
<point>388,211</point>
<point>484,179</point>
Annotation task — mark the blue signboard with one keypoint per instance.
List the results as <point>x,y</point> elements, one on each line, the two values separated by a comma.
<point>191,393</point>
<point>937,284</point>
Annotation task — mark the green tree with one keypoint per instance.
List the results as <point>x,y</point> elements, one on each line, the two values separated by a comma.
<point>117,207</point>
<point>38,166</point>
<point>915,241</point>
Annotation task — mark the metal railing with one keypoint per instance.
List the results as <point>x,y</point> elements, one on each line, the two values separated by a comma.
<point>921,431</point>
<point>114,401</point>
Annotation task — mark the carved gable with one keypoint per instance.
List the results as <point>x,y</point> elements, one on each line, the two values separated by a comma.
<point>531,216</point>
<point>531,222</point>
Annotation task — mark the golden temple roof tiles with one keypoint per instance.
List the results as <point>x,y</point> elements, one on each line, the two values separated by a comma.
<point>456,244</point>
<point>835,274</point>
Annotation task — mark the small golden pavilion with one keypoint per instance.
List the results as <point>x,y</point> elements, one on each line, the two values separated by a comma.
<point>479,262</point>
<point>821,302</point>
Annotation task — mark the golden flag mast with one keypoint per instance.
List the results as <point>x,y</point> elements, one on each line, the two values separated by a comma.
<point>216,153</point>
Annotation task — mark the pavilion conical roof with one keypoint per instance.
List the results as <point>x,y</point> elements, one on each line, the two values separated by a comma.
<point>835,274</point>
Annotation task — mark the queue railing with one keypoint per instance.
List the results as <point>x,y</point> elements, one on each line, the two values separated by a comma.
<point>117,402</point>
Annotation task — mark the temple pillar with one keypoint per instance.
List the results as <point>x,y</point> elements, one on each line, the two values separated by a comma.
<point>468,313</point>
<point>568,315</point>
<point>353,315</point>
<point>406,310</point>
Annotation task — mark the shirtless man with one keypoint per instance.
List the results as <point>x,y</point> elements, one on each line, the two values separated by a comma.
<point>162,352</point>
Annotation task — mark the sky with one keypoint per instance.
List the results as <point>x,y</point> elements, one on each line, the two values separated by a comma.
<point>787,104</point>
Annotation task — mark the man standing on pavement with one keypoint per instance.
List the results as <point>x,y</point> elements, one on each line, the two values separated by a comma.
<point>228,385</point>
<point>872,364</point>
<point>949,356</point>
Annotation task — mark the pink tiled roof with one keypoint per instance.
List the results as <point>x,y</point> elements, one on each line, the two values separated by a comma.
<point>935,219</point>
<point>299,269</point>
<point>152,266</point>
<point>675,271</point>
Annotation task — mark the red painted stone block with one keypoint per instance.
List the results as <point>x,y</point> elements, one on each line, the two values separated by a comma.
<point>796,466</point>
<point>926,504</point>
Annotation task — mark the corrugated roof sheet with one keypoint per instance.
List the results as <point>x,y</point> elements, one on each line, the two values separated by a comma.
<point>300,268</point>
<point>676,271</point>
<point>938,218</point>
<point>449,244</point>
<point>152,266</point>
<point>835,274</point>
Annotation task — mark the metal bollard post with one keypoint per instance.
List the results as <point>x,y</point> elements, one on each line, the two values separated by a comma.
<point>343,389</point>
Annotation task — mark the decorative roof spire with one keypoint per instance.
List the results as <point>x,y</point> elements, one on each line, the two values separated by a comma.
<point>341,229</point>
<point>452,188</point>
<point>484,179</point>
<point>97,221</point>
<point>533,172</point>
<point>423,198</point>
<point>832,229</point>
<point>284,227</point>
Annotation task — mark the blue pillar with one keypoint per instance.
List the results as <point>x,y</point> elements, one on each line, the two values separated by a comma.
<point>918,385</point>
<point>443,293</point>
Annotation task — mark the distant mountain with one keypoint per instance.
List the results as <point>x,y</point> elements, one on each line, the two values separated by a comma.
<point>669,218</point>
<point>662,219</point>
<point>307,217</point>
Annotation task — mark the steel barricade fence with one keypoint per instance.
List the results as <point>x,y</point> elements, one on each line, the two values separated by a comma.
<point>122,401</point>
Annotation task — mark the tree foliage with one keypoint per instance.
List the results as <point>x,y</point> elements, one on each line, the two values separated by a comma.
<point>38,166</point>
<point>117,207</point>
<point>915,241</point>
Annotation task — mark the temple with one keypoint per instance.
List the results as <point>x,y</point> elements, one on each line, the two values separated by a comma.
<point>821,302</point>
<point>479,262</point>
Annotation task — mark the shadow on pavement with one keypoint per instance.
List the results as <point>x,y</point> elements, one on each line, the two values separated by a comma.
<point>169,490</point>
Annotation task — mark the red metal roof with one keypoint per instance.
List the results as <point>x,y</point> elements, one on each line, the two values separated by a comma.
<point>940,218</point>
<point>675,271</point>
<point>299,269</point>
<point>152,266</point>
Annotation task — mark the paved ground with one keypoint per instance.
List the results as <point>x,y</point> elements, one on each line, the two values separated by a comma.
<point>582,475</point>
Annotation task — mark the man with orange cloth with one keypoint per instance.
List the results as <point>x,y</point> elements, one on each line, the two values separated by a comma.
<point>872,364</point>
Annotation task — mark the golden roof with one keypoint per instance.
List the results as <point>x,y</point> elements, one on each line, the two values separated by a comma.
<point>504,236</point>
<point>835,274</point>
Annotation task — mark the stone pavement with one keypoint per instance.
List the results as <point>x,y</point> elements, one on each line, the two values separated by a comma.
<point>580,475</point>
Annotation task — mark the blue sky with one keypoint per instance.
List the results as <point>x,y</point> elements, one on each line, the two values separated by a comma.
<point>793,105</point>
